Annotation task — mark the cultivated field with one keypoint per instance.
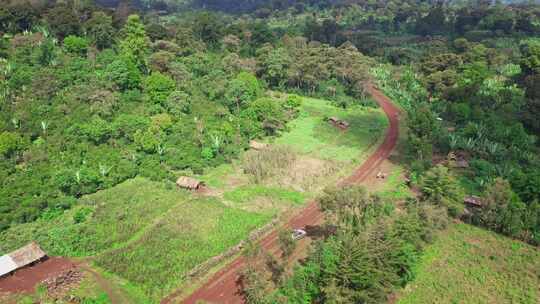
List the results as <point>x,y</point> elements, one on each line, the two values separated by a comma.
<point>145,236</point>
<point>471,265</point>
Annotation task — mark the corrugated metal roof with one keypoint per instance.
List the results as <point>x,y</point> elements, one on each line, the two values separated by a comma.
<point>20,258</point>
<point>27,254</point>
<point>7,265</point>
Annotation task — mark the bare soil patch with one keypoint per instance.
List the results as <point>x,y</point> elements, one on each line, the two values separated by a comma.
<point>57,286</point>
<point>26,279</point>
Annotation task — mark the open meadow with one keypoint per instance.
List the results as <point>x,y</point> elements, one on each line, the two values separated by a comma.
<point>467,264</point>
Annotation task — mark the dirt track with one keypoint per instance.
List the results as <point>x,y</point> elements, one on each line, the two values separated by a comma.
<point>223,286</point>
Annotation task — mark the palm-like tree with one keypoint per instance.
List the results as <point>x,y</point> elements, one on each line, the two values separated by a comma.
<point>44,127</point>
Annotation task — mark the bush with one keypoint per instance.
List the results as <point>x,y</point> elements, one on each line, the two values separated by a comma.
<point>503,211</point>
<point>124,73</point>
<point>438,186</point>
<point>76,45</point>
<point>10,142</point>
<point>159,87</point>
<point>81,214</point>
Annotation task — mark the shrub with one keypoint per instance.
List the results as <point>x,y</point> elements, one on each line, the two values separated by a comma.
<point>124,73</point>
<point>441,188</point>
<point>503,211</point>
<point>81,214</point>
<point>9,143</point>
<point>76,45</point>
<point>159,87</point>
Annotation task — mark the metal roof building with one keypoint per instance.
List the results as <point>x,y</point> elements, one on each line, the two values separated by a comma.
<point>21,257</point>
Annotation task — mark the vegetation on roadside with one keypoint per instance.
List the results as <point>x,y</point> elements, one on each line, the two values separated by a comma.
<point>468,264</point>
<point>369,250</point>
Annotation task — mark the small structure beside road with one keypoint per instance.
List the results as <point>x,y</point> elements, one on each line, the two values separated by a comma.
<point>338,123</point>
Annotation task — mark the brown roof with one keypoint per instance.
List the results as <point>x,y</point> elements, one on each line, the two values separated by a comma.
<point>343,123</point>
<point>257,145</point>
<point>27,254</point>
<point>473,200</point>
<point>188,182</point>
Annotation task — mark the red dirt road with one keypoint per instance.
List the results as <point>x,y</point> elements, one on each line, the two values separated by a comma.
<point>224,286</point>
<point>26,279</point>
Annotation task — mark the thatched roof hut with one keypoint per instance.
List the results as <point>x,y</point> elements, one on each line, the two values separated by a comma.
<point>255,145</point>
<point>473,201</point>
<point>189,183</point>
<point>343,124</point>
<point>20,258</point>
<point>338,122</point>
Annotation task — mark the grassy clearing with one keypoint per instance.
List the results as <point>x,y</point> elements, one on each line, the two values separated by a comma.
<point>467,264</point>
<point>264,199</point>
<point>147,233</point>
<point>111,218</point>
<point>395,189</point>
<point>311,134</point>
<point>191,233</point>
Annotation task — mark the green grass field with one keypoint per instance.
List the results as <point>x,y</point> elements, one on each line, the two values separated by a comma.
<point>467,264</point>
<point>311,134</point>
<point>188,235</point>
<point>145,232</point>
<point>113,217</point>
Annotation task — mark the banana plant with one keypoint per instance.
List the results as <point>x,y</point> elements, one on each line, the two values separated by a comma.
<point>16,123</point>
<point>454,141</point>
<point>78,176</point>
<point>44,127</point>
<point>492,147</point>
<point>104,170</point>
<point>216,142</point>
<point>160,150</point>
<point>470,144</point>
<point>504,170</point>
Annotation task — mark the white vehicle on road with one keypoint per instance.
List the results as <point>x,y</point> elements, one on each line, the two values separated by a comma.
<point>298,234</point>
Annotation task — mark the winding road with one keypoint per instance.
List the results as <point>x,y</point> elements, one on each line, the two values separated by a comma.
<point>224,287</point>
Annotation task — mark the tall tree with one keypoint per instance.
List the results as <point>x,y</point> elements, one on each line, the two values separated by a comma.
<point>100,29</point>
<point>136,44</point>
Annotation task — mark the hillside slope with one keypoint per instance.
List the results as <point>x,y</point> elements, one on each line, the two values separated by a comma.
<point>467,264</point>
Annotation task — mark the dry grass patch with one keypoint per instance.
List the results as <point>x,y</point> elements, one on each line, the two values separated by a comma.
<point>282,167</point>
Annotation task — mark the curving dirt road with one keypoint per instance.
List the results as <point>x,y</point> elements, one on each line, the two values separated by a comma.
<point>224,287</point>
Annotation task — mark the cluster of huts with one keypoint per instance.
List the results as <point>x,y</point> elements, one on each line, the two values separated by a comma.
<point>20,258</point>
